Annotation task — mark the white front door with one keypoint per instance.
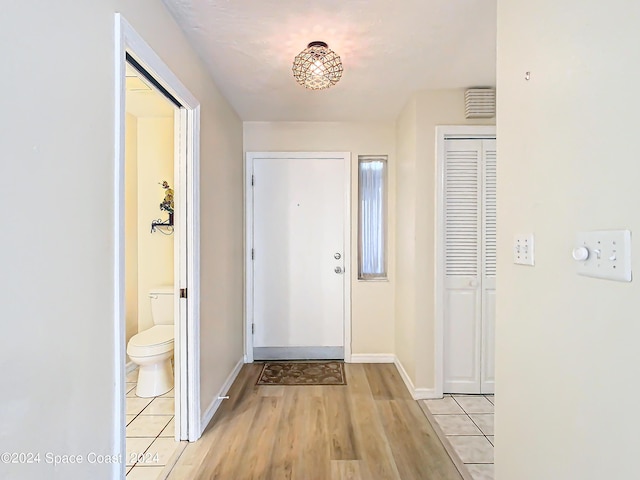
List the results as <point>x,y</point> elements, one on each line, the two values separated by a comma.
<point>299,243</point>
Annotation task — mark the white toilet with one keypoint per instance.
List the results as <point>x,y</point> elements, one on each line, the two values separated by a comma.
<point>152,349</point>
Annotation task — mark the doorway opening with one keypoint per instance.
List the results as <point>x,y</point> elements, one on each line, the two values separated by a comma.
<point>149,273</point>
<point>176,217</point>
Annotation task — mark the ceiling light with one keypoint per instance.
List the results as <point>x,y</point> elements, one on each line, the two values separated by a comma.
<point>317,67</point>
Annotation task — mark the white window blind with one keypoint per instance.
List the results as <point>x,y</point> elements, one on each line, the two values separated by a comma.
<point>372,261</point>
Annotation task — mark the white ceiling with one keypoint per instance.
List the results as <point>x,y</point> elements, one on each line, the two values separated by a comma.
<point>389,49</point>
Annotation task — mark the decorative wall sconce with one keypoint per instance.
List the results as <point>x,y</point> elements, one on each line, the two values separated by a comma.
<point>165,206</point>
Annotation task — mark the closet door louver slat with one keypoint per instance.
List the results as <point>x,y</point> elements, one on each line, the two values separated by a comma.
<point>490,211</point>
<point>461,212</point>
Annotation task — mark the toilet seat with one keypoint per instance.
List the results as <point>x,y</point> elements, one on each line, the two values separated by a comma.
<point>154,341</point>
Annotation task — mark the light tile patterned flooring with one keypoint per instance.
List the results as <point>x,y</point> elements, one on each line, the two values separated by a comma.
<point>466,421</point>
<point>150,434</point>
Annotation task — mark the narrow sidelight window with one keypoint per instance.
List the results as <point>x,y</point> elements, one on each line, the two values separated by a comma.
<point>372,217</point>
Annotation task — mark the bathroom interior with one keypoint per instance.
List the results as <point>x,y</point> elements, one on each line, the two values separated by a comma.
<point>149,279</point>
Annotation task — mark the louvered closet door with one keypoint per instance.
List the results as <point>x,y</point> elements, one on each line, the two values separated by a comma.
<point>463,299</point>
<point>469,237</point>
<point>487,371</point>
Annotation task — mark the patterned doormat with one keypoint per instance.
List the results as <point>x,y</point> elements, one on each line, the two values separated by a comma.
<point>302,373</point>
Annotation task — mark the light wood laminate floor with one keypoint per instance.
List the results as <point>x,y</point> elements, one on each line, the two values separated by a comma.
<point>370,429</point>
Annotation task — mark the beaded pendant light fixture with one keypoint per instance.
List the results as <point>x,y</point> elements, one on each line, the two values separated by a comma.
<point>317,67</point>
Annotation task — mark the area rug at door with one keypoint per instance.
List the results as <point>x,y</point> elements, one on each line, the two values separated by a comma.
<point>302,373</point>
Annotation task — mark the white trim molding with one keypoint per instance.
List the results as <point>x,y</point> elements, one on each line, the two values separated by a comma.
<point>129,367</point>
<point>416,393</point>
<point>425,394</point>
<point>217,400</point>
<point>373,358</point>
<point>119,322</point>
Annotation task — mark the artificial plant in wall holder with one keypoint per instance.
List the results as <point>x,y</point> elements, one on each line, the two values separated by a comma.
<point>165,206</point>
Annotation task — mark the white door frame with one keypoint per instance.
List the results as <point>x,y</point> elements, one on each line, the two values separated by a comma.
<point>248,221</point>
<point>187,165</point>
<point>444,133</point>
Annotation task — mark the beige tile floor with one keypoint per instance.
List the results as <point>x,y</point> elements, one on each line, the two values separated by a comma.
<point>466,423</point>
<point>150,434</point>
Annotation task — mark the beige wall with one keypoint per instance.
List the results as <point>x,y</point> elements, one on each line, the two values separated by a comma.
<point>415,306</point>
<point>405,295</point>
<point>60,160</point>
<point>131,226</point>
<point>568,362</point>
<point>155,250</point>
<point>372,303</point>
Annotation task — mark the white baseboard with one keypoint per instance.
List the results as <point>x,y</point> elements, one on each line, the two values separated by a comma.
<point>416,393</point>
<point>130,367</point>
<point>425,394</point>
<point>373,358</point>
<point>217,401</point>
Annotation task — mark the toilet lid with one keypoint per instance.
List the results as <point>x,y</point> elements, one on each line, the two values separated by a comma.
<point>156,335</point>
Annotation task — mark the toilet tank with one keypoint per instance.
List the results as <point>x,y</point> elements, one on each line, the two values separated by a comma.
<point>161,305</point>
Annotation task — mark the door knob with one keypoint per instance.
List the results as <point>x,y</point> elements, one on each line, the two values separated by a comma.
<point>337,270</point>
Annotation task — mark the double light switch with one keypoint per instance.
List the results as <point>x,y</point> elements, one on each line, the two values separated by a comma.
<point>604,254</point>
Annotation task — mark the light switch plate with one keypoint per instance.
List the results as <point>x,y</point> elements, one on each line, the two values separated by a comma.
<point>609,254</point>
<point>523,249</point>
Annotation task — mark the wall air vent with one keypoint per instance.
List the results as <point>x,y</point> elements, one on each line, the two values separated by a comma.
<point>480,102</point>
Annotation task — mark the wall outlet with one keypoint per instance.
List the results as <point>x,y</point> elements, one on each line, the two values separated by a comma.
<point>523,249</point>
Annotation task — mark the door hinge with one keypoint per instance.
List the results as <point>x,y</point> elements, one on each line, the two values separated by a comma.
<point>253,328</point>
<point>252,254</point>
<point>252,180</point>
<point>183,293</point>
